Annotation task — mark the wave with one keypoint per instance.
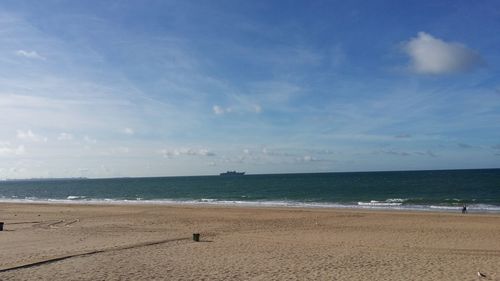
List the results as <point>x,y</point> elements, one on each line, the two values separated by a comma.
<point>389,204</point>
<point>75,197</point>
<point>445,207</point>
<point>396,200</point>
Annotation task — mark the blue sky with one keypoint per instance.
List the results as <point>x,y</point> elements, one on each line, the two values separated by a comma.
<point>164,88</point>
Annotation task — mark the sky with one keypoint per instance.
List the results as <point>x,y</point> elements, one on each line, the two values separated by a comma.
<point>167,88</point>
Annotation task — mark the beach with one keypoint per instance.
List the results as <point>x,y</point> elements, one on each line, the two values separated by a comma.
<point>154,242</point>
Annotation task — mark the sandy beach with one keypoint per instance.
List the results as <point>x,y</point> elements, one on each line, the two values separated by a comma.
<point>146,242</point>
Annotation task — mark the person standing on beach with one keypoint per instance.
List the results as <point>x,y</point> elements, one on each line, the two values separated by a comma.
<point>464,209</point>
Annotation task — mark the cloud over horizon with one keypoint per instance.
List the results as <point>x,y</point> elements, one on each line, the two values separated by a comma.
<point>187,152</point>
<point>30,136</point>
<point>65,137</point>
<point>431,55</point>
<point>7,149</point>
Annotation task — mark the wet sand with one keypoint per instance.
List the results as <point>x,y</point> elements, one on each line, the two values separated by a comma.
<point>146,242</point>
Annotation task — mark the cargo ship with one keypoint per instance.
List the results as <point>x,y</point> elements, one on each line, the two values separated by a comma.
<point>232,173</point>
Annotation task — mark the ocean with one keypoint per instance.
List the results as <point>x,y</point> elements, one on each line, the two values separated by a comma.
<point>438,190</point>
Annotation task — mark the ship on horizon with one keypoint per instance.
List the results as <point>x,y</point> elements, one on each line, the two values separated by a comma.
<point>232,173</point>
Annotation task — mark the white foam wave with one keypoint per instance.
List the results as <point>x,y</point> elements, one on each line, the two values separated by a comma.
<point>453,199</point>
<point>373,204</point>
<point>208,200</point>
<point>75,197</point>
<point>380,203</point>
<point>396,200</point>
<point>445,207</point>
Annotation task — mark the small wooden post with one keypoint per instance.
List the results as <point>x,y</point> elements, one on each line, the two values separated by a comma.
<point>196,237</point>
<point>1,225</point>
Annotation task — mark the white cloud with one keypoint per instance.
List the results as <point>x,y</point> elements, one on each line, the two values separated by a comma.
<point>166,153</point>
<point>204,152</point>
<point>6,149</point>
<point>278,153</point>
<point>218,110</point>
<point>129,131</point>
<point>307,158</point>
<point>65,137</point>
<point>254,108</point>
<point>30,136</point>
<point>120,150</point>
<point>186,151</point>
<point>431,55</point>
<point>30,54</point>
<point>89,140</point>
<point>391,152</point>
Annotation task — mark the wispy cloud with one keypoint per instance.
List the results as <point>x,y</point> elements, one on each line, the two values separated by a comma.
<point>309,158</point>
<point>7,149</point>
<point>431,55</point>
<point>464,145</point>
<point>30,54</point>
<point>128,131</point>
<point>30,136</point>
<point>65,137</point>
<point>240,108</point>
<point>396,153</point>
<point>167,153</point>
<point>427,153</point>
<point>403,136</point>
<point>120,150</point>
<point>219,110</point>
<point>90,140</point>
<point>275,92</point>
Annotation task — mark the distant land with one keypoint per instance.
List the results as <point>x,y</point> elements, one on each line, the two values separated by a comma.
<point>45,179</point>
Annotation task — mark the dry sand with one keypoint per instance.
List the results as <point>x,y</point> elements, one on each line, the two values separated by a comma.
<point>144,242</point>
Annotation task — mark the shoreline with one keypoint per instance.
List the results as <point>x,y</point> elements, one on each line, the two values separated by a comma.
<point>250,208</point>
<point>262,204</point>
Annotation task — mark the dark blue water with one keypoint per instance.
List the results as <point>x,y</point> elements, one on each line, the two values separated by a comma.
<point>414,190</point>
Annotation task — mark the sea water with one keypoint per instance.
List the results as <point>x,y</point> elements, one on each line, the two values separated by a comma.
<point>443,190</point>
